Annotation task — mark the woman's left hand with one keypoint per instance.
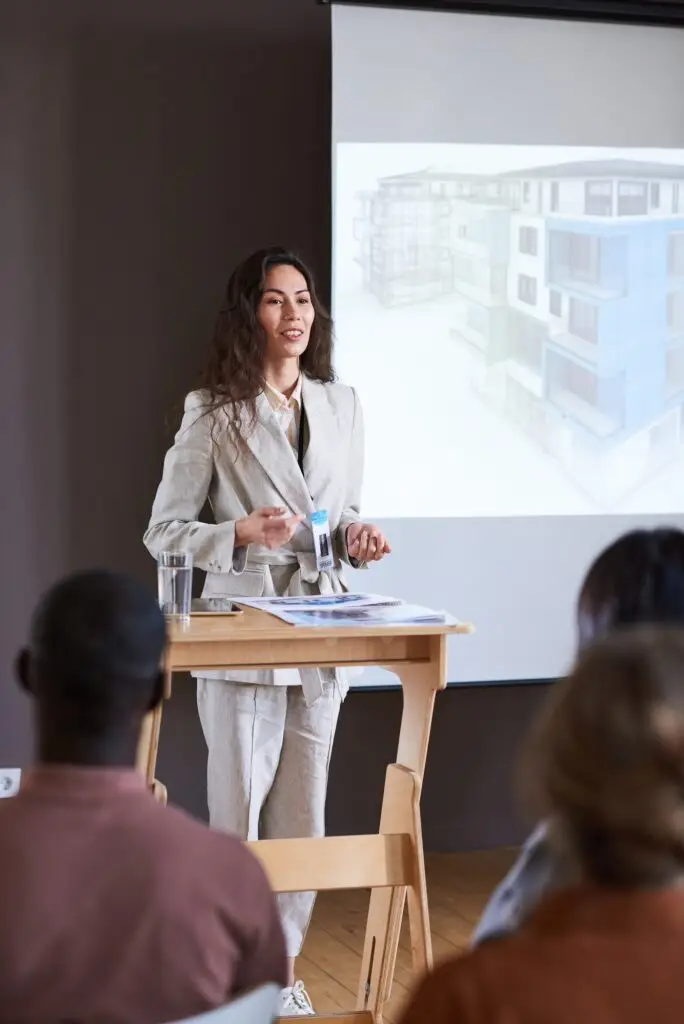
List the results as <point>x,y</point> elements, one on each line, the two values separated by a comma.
<point>366,543</point>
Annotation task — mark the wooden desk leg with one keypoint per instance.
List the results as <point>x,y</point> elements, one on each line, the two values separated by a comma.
<point>420,683</point>
<point>149,737</point>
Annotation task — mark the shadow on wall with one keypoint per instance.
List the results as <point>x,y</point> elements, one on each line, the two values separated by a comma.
<point>138,164</point>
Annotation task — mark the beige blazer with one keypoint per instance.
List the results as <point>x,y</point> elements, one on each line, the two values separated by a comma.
<point>202,465</point>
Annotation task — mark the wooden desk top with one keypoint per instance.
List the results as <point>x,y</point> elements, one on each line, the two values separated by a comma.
<point>255,639</point>
<point>254,624</point>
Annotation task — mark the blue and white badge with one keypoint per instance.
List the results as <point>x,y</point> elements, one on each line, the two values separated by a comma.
<point>320,527</point>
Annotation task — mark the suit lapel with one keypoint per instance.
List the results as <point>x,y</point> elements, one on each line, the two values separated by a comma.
<point>272,450</point>
<point>320,457</point>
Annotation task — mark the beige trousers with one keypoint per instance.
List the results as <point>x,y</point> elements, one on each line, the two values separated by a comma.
<point>267,770</point>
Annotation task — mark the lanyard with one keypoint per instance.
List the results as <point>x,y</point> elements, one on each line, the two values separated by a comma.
<point>303,425</point>
<point>318,520</point>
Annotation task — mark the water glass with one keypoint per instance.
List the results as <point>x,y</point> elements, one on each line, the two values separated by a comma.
<point>174,581</point>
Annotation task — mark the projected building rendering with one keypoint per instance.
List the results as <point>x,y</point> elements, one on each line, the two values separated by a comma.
<point>565,288</point>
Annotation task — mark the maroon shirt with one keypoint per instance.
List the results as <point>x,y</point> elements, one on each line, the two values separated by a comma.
<point>117,910</point>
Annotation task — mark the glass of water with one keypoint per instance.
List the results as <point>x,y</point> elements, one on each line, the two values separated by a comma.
<point>174,581</point>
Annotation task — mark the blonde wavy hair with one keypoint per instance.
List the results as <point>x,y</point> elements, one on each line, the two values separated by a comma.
<point>606,760</point>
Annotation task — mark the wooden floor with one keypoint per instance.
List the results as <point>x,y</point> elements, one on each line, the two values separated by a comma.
<point>458,887</point>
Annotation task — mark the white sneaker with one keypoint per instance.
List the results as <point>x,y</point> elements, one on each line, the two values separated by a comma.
<point>295,1002</point>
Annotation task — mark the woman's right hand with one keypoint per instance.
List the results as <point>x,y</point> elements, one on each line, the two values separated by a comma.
<point>269,527</point>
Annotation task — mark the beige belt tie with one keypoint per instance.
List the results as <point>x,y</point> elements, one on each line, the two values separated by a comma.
<point>306,572</point>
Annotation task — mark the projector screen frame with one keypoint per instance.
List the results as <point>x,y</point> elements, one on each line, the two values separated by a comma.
<point>630,12</point>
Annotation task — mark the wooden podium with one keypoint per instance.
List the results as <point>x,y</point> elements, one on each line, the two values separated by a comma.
<point>389,863</point>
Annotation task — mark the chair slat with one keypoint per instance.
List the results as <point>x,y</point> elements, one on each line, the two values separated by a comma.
<point>336,862</point>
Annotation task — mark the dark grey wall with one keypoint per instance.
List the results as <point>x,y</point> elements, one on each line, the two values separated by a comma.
<point>143,153</point>
<point>146,146</point>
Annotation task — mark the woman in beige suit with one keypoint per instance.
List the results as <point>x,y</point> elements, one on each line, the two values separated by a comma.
<point>268,439</point>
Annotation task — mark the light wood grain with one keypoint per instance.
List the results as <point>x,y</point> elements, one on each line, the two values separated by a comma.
<point>331,959</point>
<point>256,624</point>
<point>335,862</point>
<point>420,684</point>
<point>259,640</point>
<point>159,791</point>
<point>418,655</point>
<point>391,860</point>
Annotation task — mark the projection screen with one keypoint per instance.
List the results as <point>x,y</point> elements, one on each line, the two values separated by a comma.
<point>508,290</point>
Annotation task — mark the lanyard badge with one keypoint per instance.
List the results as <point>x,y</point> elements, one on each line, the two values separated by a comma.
<point>320,527</point>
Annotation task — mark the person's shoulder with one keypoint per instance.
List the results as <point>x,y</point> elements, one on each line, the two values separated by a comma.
<point>443,994</point>
<point>538,838</point>
<point>535,871</point>
<point>336,387</point>
<point>197,401</point>
<point>201,409</point>
<point>11,807</point>
<point>475,987</point>
<point>338,395</point>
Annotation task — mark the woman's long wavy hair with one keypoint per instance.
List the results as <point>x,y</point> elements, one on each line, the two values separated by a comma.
<point>233,376</point>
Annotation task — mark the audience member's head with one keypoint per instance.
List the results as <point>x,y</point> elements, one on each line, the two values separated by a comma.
<point>607,759</point>
<point>638,579</point>
<point>93,667</point>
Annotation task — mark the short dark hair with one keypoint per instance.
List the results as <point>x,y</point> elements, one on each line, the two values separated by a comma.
<point>638,579</point>
<point>96,644</point>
